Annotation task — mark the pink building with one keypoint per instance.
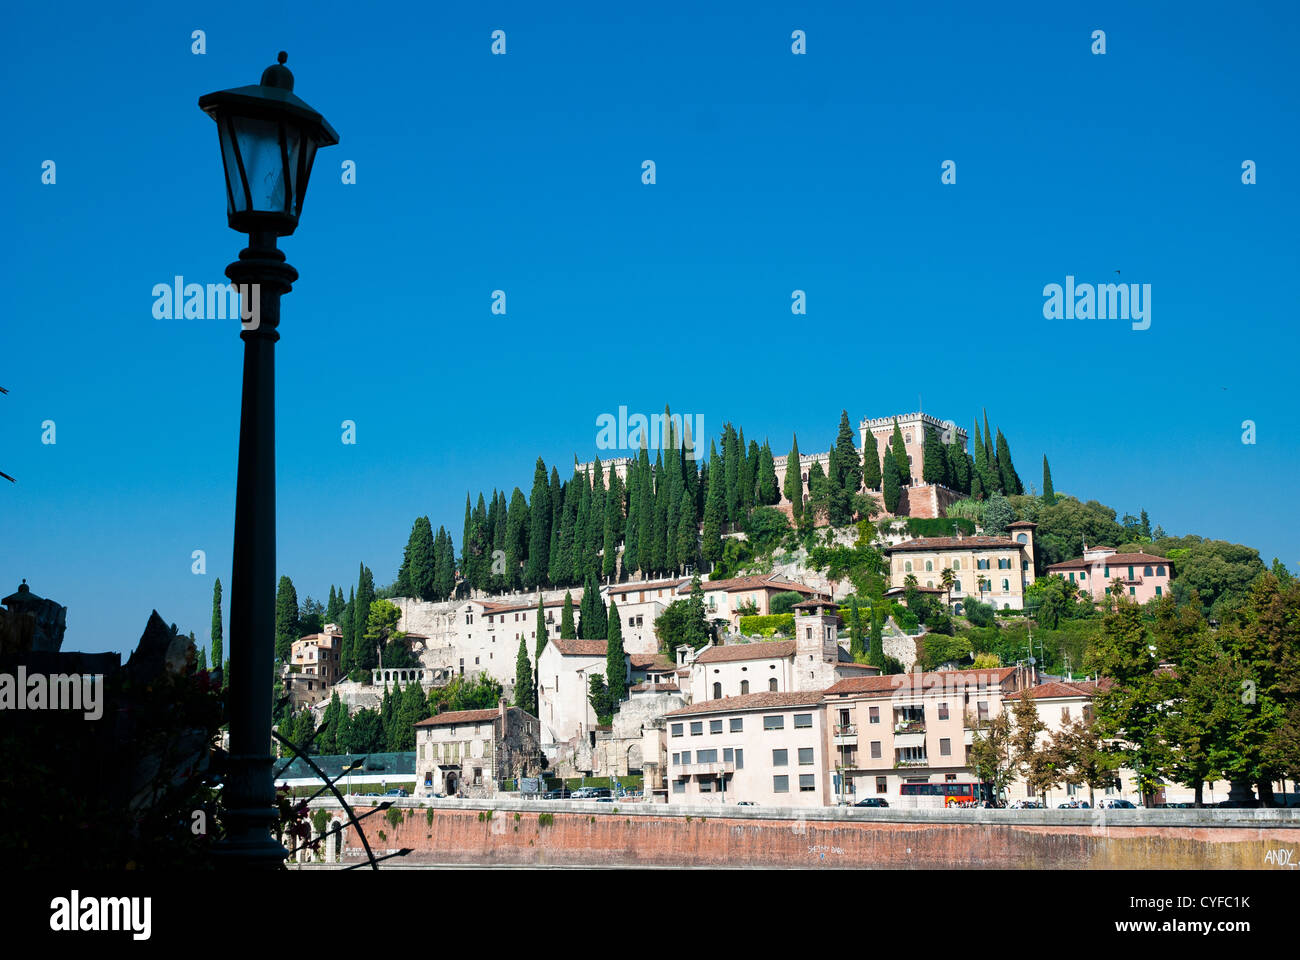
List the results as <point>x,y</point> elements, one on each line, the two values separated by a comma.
<point>1143,575</point>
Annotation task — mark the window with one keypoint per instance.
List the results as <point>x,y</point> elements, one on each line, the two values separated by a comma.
<point>1159,592</point>
<point>1021,538</point>
<point>1146,571</point>
<point>807,782</point>
<point>1130,573</point>
<point>697,728</point>
<point>679,786</point>
<point>774,723</point>
<point>1132,591</point>
<point>781,784</point>
<point>677,759</point>
<point>805,756</point>
<point>686,757</point>
<point>874,714</point>
<point>945,747</point>
<point>706,756</point>
<point>943,711</point>
<point>875,749</point>
<point>882,784</point>
<point>982,709</point>
<point>744,688</point>
<point>740,759</point>
<point>728,755</point>
<point>956,564</point>
<point>771,684</point>
<point>1106,570</point>
<point>802,721</point>
<point>706,786</point>
<point>717,691</point>
<point>1160,570</point>
<point>929,566</point>
<point>956,588</point>
<point>949,777</point>
<point>737,724</point>
<point>907,566</point>
<point>677,729</point>
<point>1004,563</point>
<point>780,758</point>
<point>1006,586</point>
<point>715,726</point>
<point>982,564</point>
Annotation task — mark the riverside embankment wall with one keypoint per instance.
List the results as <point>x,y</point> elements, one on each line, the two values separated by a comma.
<point>572,833</point>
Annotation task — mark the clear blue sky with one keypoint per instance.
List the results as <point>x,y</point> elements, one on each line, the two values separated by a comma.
<point>522,173</point>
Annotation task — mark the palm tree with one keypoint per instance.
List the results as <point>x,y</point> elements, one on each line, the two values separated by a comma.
<point>910,580</point>
<point>947,578</point>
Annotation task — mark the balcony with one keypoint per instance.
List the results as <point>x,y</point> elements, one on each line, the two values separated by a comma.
<point>909,739</point>
<point>905,764</point>
<point>910,726</point>
<point>704,769</point>
<point>846,733</point>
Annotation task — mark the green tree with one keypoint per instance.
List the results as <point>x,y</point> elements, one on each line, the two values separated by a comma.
<point>286,619</point>
<point>687,535</point>
<point>871,474</point>
<point>793,481</point>
<point>849,476</point>
<point>714,510</point>
<point>423,566</point>
<point>517,533</point>
<point>768,490</point>
<point>899,450</point>
<point>856,648</point>
<point>934,465</point>
<point>364,655</point>
<point>1007,475</point>
<point>990,754</point>
<point>217,653</point>
<point>891,484</point>
<point>601,699</point>
<point>998,513</point>
<point>567,629</point>
<point>615,665</point>
<point>613,532</point>
<point>1049,492</point>
<point>539,539</point>
<point>524,689</point>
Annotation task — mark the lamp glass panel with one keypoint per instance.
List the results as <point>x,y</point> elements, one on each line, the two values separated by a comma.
<point>259,145</point>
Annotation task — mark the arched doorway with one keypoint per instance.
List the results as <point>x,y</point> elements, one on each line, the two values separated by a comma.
<point>450,783</point>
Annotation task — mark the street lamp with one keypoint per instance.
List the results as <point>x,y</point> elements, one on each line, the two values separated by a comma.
<point>269,139</point>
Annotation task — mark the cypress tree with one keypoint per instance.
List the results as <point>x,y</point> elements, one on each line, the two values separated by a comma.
<point>748,476</point>
<point>646,520</point>
<point>876,651</point>
<point>731,461</point>
<point>659,532</point>
<point>981,475</point>
<point>769,492</point>
<point>793,480</point>
<point>516,538</point>
<point>934,466</point>
<point>580,526</point>
<point>364,655</point>
<point>563,566</point>
<point>615,665</point>
<point>1145,525</point>
<point>899,450</point>
<point>891,485</point>
<point>856,648</point>
<point>402,585</point>
<point>687,535</point>
<point>595,524</point>
<point>541,639</point>
<point>631,540</point>
<point>816,493</point>
<point>613,524</point>
<point>286,619</point>
<point>714,510</point>
<point>846,455</point>
<point>217,654</point>
<point>500,581</point>
<point>1006,472</point>
<point>1049,493</point>
<point>348,627</point>
<point>524,689</point>
<point>871,475</point>
<point>539,537</point>
<point>423,567</point>
<point>446,572</point>
<point>990,455</point>
<point>465,537</point>
<point>201,663</point>
<point>335,605</point>
<point>599,624</point>
<point>567,629</point>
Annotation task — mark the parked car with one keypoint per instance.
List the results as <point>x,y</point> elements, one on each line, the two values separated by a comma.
<point>560,793</point>
<point>398,792</point>
<point>1074,805</point>
<point>872,802</point>
<point>600,793</point>
<point>1114,803</point>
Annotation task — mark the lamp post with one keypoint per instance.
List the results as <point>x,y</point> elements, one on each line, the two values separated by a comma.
<point>269,139</point>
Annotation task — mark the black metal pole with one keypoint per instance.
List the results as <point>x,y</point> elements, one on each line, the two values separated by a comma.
<point>251,811</point>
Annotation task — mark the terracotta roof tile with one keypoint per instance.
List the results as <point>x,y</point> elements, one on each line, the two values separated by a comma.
<point>748,651</point>
<point>757,583</point>
<point>951,543</point>
<point>889,683</point>
<point>580,648</point>
<point>460,716</point>
<point>751,701</point>
<point>655,688</point>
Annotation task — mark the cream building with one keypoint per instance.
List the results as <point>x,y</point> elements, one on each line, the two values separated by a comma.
<point>763,748</point>
<point>469,750</point>
<point>993,570</point>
